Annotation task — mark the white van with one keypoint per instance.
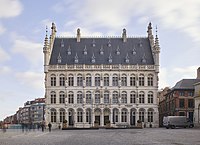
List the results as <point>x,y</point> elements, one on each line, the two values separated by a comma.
<point>177,121</point>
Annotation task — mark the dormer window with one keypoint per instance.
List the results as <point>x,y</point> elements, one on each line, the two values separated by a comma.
<point>85,50</point>
<point>144,59</point>
<point>134,51</point>
<point>109,43</point>
<point>93,58</point>
<point>110,58</point>
<point>76,58</point>
<point>118,50</point>
<point>127,58</point>
<point>101,50</point>
<point>140,43</point>
<point>93,43</point>
<point>59,58</point>
<point>69,50</point>
<point>62,43</point>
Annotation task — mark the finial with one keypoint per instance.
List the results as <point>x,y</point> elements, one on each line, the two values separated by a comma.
<point>124,35</point>
<point>78,35</point>
<point>46,30</point>
<point>156,31</point>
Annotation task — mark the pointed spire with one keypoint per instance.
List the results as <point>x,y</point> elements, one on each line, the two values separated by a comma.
<point>53,28</point>
<point>46,40</point>
<point>156,39</point>
<point>127,58</point>
<point>78,38</point>
<point>124,35</point>
<point>101,50</point>
<point>93,58</point>
<point>149,29</point>
<point>118,50</point>
<point>59,58</point>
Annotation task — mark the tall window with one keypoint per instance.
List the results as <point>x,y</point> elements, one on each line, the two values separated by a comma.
<point>181,103</point>
<point>150,115</point>
<point>106,97</point>
<point>115,97</point>
<point>79,97</point>
<point>53,80</point>
<point>53,115</point>
<point>71,98</point>
<point>62,97</point>
<point>53,97</point>
<point>150,80</point>
<point>141,80</point>
<point>141,115</point>
<point>88,97</point>
<point>150,97</point>
<point>97,80</point>
<point>132,80</point>
<point>115,80</point>
<point>106,80</point>
<point>80,115</point>
<point>190,103</point>
<point>88,116</point>
<point>124,80</point>
<point>124,97</point>
<point>62,80</point>
<point>124,115</point>
<point>62,115</point>
<point>79,80</point>
<point>71,80</point>
<point>141,97</point>
<point>97,97</point>
<point>115,115</point>
<point>132,97</point>
<point>88,80</point>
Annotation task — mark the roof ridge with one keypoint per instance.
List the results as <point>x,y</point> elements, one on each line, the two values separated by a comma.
<point>101,37</point>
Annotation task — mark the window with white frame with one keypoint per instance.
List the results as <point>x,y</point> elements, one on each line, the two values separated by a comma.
<point>79,80</point>
<point>62,115</point>
<point>141,97</point>
<point>150,80</point>
<point>70,97</point>
<point>115,115</point>
<point>80,115</point>
<point>62,97</point>
<point>141,80</point>
<point>115,97</point>
<point>79,97</point>
<point>88,80</point>
<point>124,80</point>
<point>71,80</point>
<point>133,97</point>
<point>53,80</point>
<point>150,115</point>
<point>53,97</point>
<point>106,97</point>
<point>124,97</point>
<point>53,115</point>
<point>150,97</point>
<point>106,80</point>
<point>62,80</point>
<point>132,80</point>
<point>88,97</point>
<point>97,97</point>
<point>115,80</point>
<point>141,115</point>
<point>97,80</point>
<point>124,115</point>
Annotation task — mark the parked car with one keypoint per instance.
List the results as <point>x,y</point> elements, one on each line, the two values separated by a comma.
<point>177,121</point>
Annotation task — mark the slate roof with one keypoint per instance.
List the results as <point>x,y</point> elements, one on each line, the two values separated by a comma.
<point>101,51</point>
<point>186,84</point>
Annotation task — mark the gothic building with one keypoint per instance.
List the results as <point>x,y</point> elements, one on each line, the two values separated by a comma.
<point>101,79</point>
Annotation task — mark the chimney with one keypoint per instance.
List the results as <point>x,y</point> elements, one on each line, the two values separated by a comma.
<point>78,35</point>
<point>124,35</point>
<point>198,73</point>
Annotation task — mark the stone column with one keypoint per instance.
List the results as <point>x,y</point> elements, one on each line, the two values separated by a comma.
<point>128,117</point>
<point>102,119</point>
<point>119,116</point>
<point>111,116</point>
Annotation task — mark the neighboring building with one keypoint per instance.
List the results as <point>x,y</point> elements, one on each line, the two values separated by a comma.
<point>197,101</point>
<point>100,79</point>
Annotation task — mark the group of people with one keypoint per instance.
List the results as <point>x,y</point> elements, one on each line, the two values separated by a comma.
<point>42,126</point>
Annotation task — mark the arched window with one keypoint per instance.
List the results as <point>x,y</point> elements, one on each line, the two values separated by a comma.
<point>53,97</point>
<point>62,115</point>
<point>141,97</point>
<point>53,80</point>
<point>124,97</point>
<point>53,115</point>
<point>115,115</point>
<point>132,80</point>
<point>115,97</point>
<point>79,80</point>
<point>71,98</point>
<point>106,97</point>
<point>150,97</point>
<point>97,97</point>
<point>88,115</point>
<point>88,97</point>
<point>79,115</point>
<point>124,115</point>
<point>106,80</point>
<point>150,80</point>
<point>97,80</point>
<point>79,97</point>
<point>115,80</point>
<point>62,97</point>
<point>132,97</point>
<point>124,80</point>
<point>141,114</point>
<point>62,80</point>
<point>141,80</point>
<point>88,80</point>
<point>71,80</point>
<point>150,115</point>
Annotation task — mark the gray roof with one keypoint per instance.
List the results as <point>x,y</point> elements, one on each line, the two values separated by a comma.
<point>101,51</point>
<point>186,84</point>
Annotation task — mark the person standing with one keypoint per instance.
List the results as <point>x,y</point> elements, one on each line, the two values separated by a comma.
<point>49,125</point>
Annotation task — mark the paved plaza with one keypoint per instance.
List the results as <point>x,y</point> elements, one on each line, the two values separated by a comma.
<point>147,136</point>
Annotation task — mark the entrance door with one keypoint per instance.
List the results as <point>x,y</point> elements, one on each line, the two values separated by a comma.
<point>71,118</point>
<point>132,118</point>
<point>105,119</point>
<point>97,118</point>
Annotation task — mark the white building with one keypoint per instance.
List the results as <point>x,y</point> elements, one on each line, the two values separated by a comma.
<point>100,79</point>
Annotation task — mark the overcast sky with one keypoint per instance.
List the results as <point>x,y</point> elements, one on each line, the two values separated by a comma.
<point>22,33</point>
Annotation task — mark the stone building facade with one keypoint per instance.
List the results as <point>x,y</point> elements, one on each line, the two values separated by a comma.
<point>101,79</point>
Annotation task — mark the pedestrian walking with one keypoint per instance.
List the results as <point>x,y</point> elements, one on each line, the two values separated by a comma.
<point>49,125</point>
